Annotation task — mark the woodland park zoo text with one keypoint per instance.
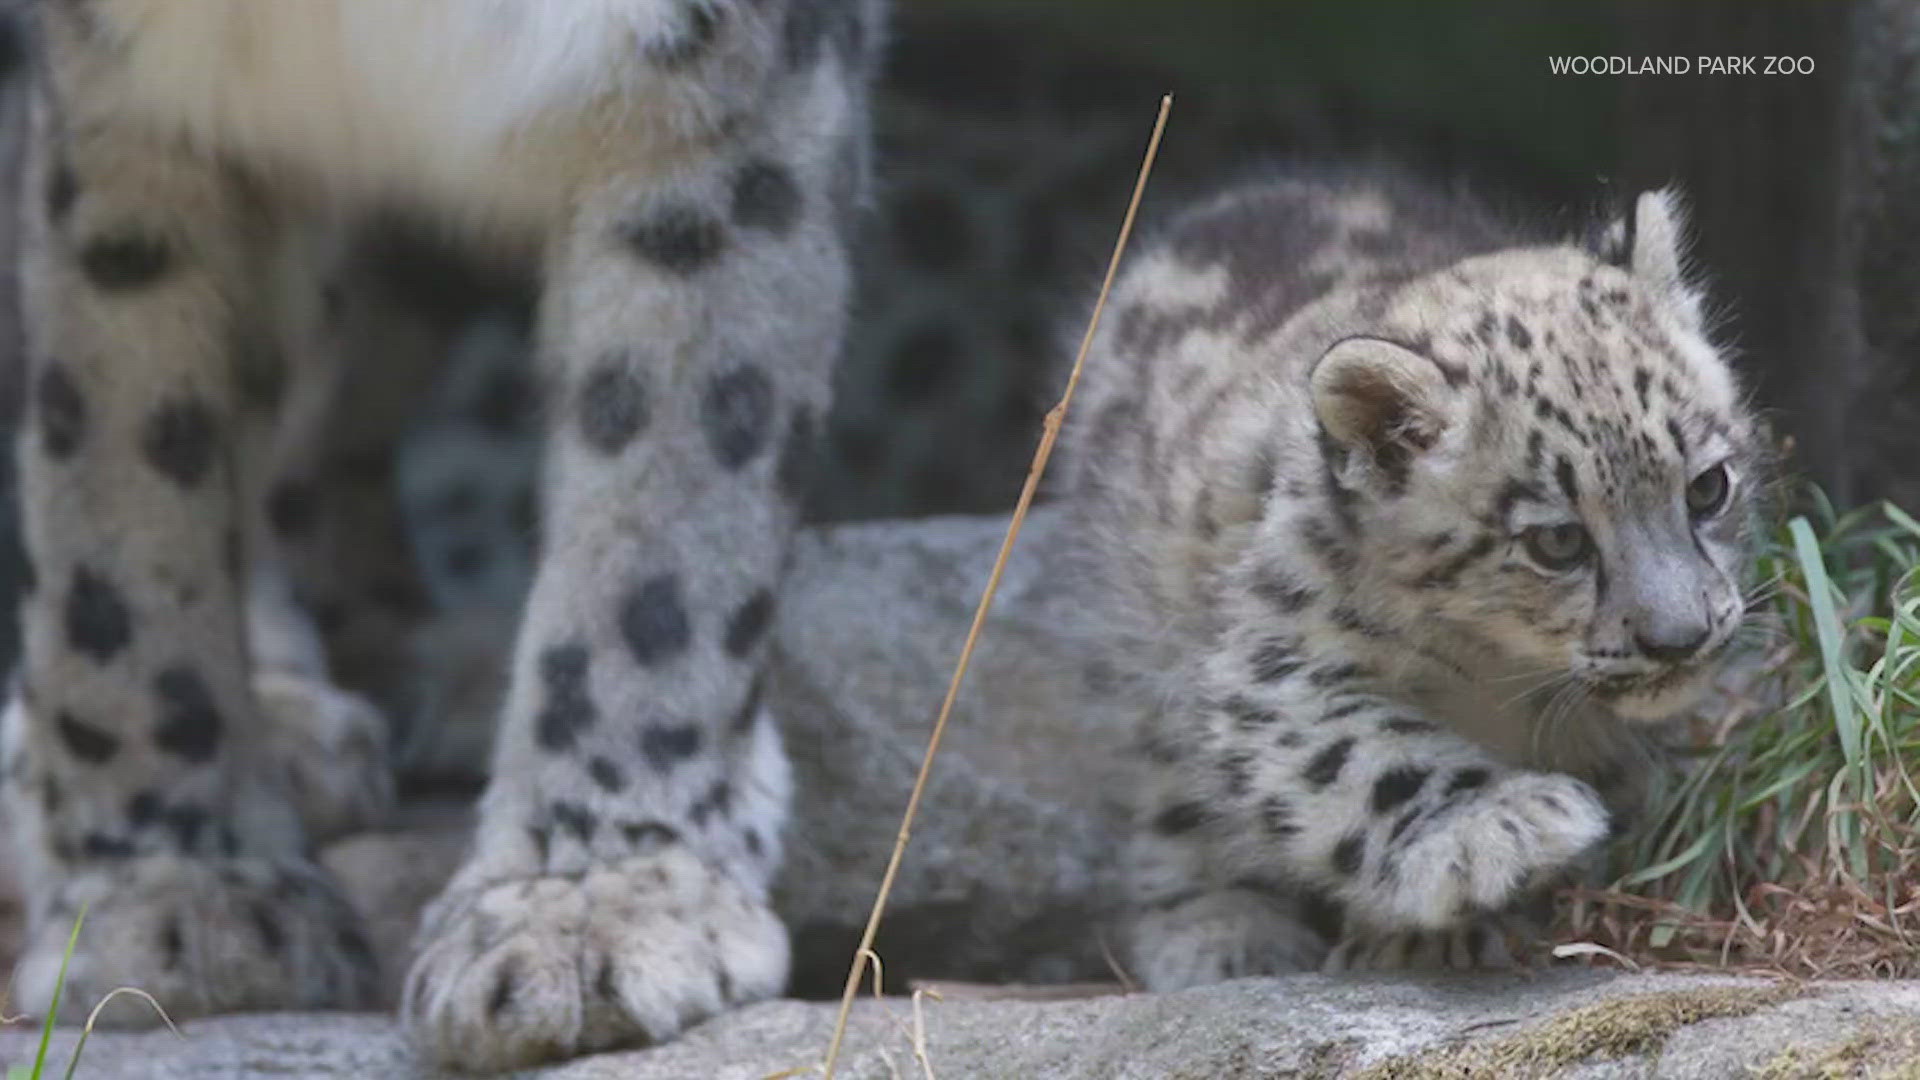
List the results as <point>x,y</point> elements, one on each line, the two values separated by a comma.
<point>1680,65</point>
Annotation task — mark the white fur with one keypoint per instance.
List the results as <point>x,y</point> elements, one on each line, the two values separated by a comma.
<point>410,94</point>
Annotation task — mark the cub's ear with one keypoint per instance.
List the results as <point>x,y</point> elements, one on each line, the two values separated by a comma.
<point>1659,234</point>
<point>1381,399</point>
<point>1650,242</point>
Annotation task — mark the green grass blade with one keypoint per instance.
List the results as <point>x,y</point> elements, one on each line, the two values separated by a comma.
<point>1826,623</point>
<point>59,985</point>
<point>1901,518</point>
<point>1653,873</point>
<point>1785,780</point>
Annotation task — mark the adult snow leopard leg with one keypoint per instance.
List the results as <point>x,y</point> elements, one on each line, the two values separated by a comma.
<point>132,747</point>
<point>617,889</point>
<point>330,745</point>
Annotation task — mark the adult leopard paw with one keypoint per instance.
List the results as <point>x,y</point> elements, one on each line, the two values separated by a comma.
<point>515,972</point>
<point>203,936</point>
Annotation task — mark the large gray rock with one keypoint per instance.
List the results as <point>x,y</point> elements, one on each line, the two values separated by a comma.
<point>1565,1024</point>
<point>1012,859</point>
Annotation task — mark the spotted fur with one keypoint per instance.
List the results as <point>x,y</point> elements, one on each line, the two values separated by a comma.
<point>680,176</point>
<point>1403,518</point>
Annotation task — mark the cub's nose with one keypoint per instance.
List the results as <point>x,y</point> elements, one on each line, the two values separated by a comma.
<point>1671,643</point>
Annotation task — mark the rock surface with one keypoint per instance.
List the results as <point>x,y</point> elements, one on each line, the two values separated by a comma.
<point>1565,1024</point>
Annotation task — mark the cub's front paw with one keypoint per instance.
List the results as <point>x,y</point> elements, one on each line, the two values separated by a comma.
<point>512,973</point>
<point>1519,832</point>
<point>1216,936</point>
<point>202,936</point>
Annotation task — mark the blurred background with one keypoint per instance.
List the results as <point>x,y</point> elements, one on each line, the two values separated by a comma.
<point>1010,131</point>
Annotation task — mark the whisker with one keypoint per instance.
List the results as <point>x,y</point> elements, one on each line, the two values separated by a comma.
<point>1565,699</point>
<point>1761,633</point>
<point>1549,680</point>
<point>1545,672</point>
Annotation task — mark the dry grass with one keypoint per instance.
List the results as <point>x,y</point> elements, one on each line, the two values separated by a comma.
<point>1834,930</point>
<point>1055,418</point>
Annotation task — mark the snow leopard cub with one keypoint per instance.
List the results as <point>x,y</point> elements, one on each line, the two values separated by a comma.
<point>1402,520</point>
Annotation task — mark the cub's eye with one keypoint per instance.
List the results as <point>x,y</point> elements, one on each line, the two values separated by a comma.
<point>1707,494</point>
<point>1558,547</point>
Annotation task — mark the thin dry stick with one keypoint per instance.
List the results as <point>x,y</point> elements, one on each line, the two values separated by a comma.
<point>1055,417</point>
